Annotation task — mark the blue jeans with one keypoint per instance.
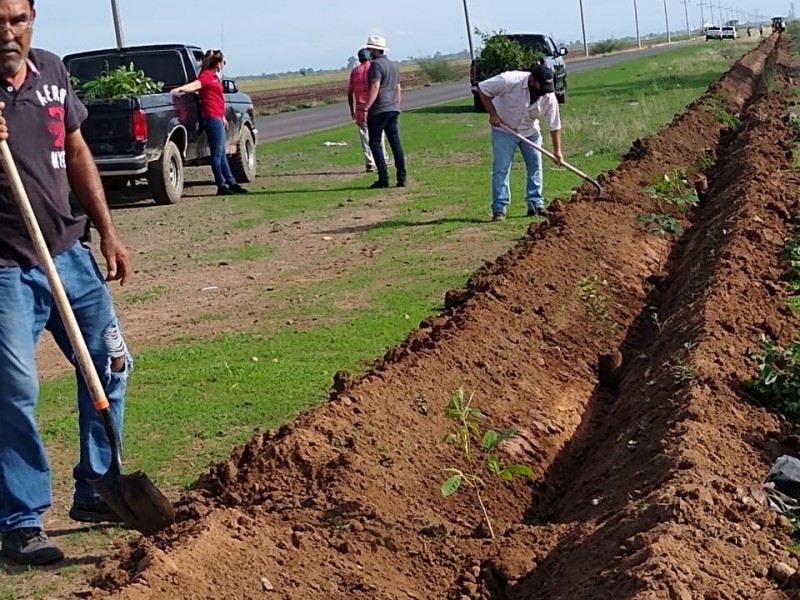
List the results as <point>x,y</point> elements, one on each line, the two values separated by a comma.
<point>503,147</point>
<point>388,123</point>
<point>215,132</point>
<point>26,308</point>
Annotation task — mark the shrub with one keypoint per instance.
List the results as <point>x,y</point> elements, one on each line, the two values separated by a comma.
<point>501,53</point>
<point>605,46</point>
<point>122,82</point>
<point>777,383</point>
<point>437,70</point>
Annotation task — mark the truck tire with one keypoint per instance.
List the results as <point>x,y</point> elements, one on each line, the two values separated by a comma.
<point>165,175</point>
<point>478,103</point>
<point>243,161</point>
<point>562,97</point>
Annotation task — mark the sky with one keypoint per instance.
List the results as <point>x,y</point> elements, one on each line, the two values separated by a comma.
<point>266,36</point>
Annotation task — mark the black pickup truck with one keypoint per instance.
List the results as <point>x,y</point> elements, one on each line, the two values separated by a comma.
<point>552,56</point>
<point>151,138</point>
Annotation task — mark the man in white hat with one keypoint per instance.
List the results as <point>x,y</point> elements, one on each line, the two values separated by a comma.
<point>383,111</point>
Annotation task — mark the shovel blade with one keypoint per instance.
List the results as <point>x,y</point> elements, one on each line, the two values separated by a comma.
<point>136,500</point>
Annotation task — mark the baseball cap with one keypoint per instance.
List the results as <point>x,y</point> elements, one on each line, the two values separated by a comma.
<point>545,77</point>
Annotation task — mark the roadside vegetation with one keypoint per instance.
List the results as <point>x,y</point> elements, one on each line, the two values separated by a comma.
<point>190,402</point>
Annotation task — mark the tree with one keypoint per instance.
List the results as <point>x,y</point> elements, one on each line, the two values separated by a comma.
<point>351,63</point>
<point>501,53</point>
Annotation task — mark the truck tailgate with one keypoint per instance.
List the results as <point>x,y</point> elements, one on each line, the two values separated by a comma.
<point>108,129</point>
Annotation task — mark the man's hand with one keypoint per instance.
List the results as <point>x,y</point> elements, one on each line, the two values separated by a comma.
<point>3,126</point>
<point>117,258</point>
<point>224,122</point>
<point>495,120</point>
<point>559,157</point>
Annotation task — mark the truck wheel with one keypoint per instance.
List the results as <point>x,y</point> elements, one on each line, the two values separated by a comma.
<point>478,103</point>
<point>243,162</point>
<point>562,97</point>
<point>165,175</point>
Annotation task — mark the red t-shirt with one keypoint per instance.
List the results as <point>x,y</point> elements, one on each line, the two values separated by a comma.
<point>212,102</point>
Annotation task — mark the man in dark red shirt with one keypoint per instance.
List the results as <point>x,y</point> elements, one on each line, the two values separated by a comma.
<point>357,93</point>
<point>40,116</point>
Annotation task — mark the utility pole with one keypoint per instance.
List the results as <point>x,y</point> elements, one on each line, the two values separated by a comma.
<point>686,13</point>
<point>702,16</point>
<point>583,30</point>
<point>469,32</point>
<point>636,17</point>
<point>117,24</point>
<point>666,18</point>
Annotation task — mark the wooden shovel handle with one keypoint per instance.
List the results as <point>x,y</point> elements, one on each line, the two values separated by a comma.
<point>62,303</point>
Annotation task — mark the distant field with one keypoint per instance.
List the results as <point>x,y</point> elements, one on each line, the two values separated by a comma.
<point>266,84</point>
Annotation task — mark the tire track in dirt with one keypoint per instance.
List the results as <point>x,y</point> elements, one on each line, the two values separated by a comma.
<point>345,503</point>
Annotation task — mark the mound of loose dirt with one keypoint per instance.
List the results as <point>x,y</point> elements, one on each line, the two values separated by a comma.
<point>643,491</point>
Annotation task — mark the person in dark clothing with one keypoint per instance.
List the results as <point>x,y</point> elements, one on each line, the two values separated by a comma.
<point>41,117</point>
<point>383,112</point>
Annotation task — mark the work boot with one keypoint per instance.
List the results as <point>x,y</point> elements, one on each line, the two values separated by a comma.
<point>499,216</point>
<point>94,512</point>
<point>224,190</point>
<point>30,546</point>
<point>238,189</point>
<point>379,185</point>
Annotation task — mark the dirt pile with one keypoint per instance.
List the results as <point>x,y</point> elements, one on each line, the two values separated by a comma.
<point>640,492</point>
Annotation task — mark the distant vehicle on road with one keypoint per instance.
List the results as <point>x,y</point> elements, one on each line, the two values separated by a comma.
<point>714,33</point>
<point>729,32</point>
<point>778,24</point>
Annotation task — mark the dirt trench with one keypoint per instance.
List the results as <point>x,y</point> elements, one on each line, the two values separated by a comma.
<point>644,491</point>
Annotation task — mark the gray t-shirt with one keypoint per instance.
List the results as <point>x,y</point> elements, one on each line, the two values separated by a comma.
<point>39,115</point>
<point>388,74</point>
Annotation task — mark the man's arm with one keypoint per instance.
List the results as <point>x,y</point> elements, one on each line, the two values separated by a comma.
<point>399,93</point>
<point>494,118</point>
<point>374,88</point>
<point>85,183</point>
<point>555,136</point>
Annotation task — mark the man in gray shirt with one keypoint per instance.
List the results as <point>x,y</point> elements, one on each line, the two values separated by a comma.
<point>383,111</point>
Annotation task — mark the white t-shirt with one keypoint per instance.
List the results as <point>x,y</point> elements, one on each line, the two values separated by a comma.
<point>512,101</point>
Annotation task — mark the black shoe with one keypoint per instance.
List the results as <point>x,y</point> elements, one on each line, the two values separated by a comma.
<point>379,185</point>
<point>237,189</point>
<point>224,190</point>
<point>95,512</point>
<point>538,212</point>
<point>401,183</point>
<point>30,546</point>
<point>369,170</point>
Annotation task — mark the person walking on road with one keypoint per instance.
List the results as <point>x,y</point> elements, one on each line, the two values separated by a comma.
<point>519,99</point>
<point>383,111</point>
<point>357,93</point>
<point>212,107</point>
<point>41,117</point>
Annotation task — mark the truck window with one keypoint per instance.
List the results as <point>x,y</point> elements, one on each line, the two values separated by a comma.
<point>537,42</point>
<point>161,65</point>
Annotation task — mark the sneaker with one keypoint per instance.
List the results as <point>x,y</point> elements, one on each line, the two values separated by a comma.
<point>94,512</point>
<point>499,216</point>
<point>224,190</point>
<point>379,185</point>
<point>401,183</point>
<point>237,189</point>
<point>369,170</point>
<point>30,546</point>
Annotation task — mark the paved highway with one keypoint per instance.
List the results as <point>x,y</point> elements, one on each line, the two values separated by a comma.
<point>300,122</point>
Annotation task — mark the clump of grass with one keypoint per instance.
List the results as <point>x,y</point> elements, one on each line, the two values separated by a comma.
<point>437,70</point>
<point>777,380</point>
<point>605,46</point>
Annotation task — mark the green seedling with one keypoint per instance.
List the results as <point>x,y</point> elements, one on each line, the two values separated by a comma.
<point>661,224</point>
<point>596,304</point>
<point>673,188</point>
<point>777,381</point>
<point>479,452</point>
<point>705,160</point>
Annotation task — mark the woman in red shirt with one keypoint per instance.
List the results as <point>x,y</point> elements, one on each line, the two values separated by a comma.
<point>212,108</point>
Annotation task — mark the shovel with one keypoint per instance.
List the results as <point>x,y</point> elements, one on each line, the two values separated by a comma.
<point>134,498</point>
<point>577,172</point>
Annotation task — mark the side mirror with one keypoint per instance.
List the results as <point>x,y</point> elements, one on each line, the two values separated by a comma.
<point>229,86</point>
<point>563,51</point>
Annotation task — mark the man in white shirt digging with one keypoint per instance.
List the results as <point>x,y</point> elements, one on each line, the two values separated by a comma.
<point>519,99</point>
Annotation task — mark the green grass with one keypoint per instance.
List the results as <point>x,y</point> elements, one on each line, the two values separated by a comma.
<point>146,296</point>
<point>190,402</point>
